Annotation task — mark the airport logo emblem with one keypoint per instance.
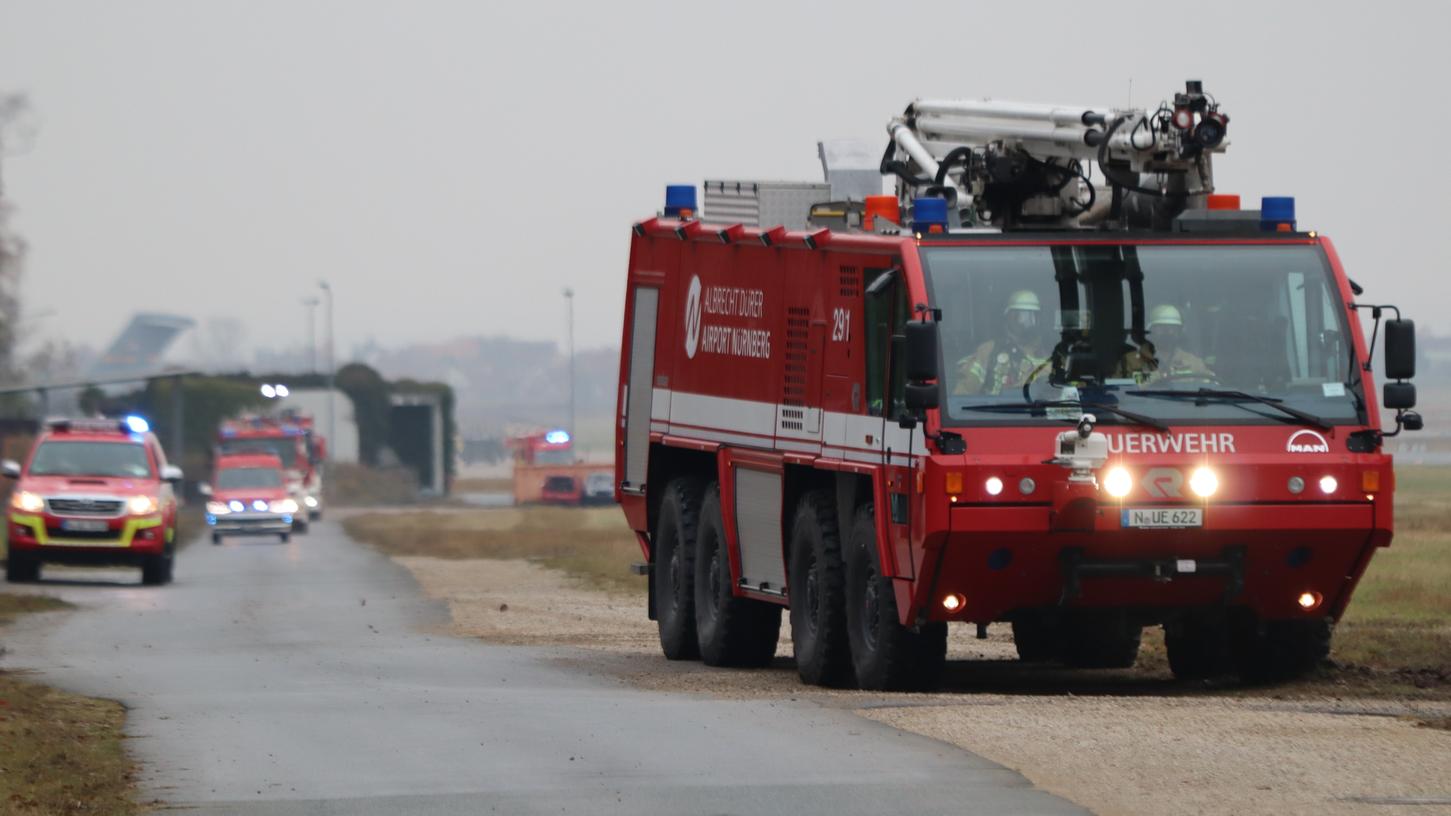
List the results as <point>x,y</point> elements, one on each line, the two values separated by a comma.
<point>1307,441</point>
<point>692,318</point>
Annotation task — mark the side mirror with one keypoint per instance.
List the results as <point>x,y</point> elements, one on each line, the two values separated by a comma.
<point>204,489</point>
<point>922,354</point>
<point>1398,395</point>
<point>172,473</point>
<point>10,469</point>
<point>1411,421</point>
<point>921,396</point>
<point>1400,349</point>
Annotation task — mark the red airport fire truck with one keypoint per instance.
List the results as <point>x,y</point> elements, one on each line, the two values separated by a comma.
<point>292,439</point>
<point>1019,390</point>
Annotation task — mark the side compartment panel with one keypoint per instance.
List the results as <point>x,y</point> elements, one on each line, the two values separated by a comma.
<point>640,386</point>
<point>758,525</point>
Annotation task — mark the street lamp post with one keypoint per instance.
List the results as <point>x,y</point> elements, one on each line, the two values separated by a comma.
<point>311,304</point>
<point>569,308</point>
<point>332,373</point>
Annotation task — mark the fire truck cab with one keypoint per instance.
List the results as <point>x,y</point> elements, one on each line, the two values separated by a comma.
<point>93,493</point>
<point>994,398</point>
<point>292,440</point>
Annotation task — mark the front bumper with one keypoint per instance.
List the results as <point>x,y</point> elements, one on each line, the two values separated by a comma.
<point>124,538</point>
<point>246,523</point>
<point>1008,559</point>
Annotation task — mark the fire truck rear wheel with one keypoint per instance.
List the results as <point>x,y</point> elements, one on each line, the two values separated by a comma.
<point>885,654</point>
<point>21,569</point>
<point>732,631</point>
<point>1100,641</point>
<point>1276,651</point>
<point>1035,638</point>
<point>818,602</point>
<point>674,561</point>
<point>1198,649</point>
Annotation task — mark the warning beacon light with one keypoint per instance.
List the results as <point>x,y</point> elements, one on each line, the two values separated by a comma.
<point>136,424</point>
<point>558,437</point>
<point>1277,214</point>
<point>680,200</point>
<point>929,214</point>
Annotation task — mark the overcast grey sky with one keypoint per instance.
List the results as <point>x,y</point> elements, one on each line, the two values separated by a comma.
<point>451,166</point>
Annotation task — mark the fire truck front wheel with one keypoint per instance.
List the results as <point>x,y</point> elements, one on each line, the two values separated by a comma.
<point>674,561</point>
<point>1276,651</point>
<point>818,603</point>
<point>22,569</point>
<point>885,655</point>
<point>732,631</point>
<point>1198,648</point>
<point>1100,640</point>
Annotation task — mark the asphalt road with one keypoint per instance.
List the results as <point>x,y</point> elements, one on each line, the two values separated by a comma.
<point>313,678</point>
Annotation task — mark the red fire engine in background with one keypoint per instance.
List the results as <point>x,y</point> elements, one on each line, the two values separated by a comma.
<point>1007,393</point>
<point>547,470</point>
<point>292,439</point>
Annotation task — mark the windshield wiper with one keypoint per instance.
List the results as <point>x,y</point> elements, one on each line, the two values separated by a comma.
<point>1204,396</point>
<point>1042,406</point>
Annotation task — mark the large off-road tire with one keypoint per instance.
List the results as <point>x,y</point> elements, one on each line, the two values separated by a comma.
<point>885,654</point>
<point>1105,640</point>
<point>156,570</point>
<point>1276,651</point>
<point>21,569</point>
<point>1035,638</point>
<point>674,563</point>
<point>732,631</point>
<point>216,538</point>
<point>1198,649</point>
<point>818,593</point>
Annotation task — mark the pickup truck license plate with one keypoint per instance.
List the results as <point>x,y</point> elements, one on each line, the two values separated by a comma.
<point>84,526</point>
<point>1169,517</point>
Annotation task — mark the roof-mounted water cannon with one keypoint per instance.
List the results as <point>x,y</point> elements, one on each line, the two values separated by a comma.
<point>1011,164</point>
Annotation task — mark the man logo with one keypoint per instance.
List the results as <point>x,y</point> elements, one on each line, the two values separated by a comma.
<point>1307,441</point>
<point>692,318</point>
<point>1163,483</point>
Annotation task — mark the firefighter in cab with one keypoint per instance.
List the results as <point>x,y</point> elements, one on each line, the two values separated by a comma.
<point>1163,357</point>
<point>1007,363</point>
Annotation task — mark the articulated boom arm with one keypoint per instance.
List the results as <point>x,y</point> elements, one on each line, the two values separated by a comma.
<point>1012,164</point>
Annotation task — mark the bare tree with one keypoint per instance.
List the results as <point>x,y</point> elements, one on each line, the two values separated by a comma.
<point>17,133</point>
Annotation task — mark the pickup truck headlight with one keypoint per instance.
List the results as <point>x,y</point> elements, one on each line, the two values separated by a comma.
<point>142,505</point>
<point>284,506</point>
<point>217,508</point>
<point>27,502</point>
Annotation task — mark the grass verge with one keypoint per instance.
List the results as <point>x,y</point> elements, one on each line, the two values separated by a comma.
<point>60,753</point>
<point>593,545</point>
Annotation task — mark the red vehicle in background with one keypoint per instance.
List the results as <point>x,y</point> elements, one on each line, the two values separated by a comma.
<point>547,470</point>
<point>291,439</point>
<point>249,495</point>
<point>94,493</point>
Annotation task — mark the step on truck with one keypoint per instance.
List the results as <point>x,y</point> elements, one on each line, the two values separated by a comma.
<point>1056,380</point>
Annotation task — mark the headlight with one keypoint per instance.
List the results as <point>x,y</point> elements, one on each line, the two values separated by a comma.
<point>1328,484</point>
<point>27,502</point>
<point>259,505</point>
<point>218,508</point>
<point>310,501</point>
<point>142,505</point>
<point>283,506</point>
<point>1204,482</point>
<point>236,506</point>
<point>1118,482</point>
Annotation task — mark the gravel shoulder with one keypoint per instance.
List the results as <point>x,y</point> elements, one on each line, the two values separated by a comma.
<point>1117,743</point>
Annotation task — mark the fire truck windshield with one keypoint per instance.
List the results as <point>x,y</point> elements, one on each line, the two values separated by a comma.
<point>283,447</point>
<point>118,460</point>
<point>1131,325</point>
<point>243,478</point>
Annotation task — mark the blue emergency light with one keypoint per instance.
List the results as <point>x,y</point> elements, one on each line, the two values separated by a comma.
<point>929,214</point>
<point>557,437</point>
<point>1277,214</point>
<point>680,200</point>
<point>137,424</point>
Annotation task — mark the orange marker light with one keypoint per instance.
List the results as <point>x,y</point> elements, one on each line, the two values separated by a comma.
<point>1370,481</point>
<point>952,482</point>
